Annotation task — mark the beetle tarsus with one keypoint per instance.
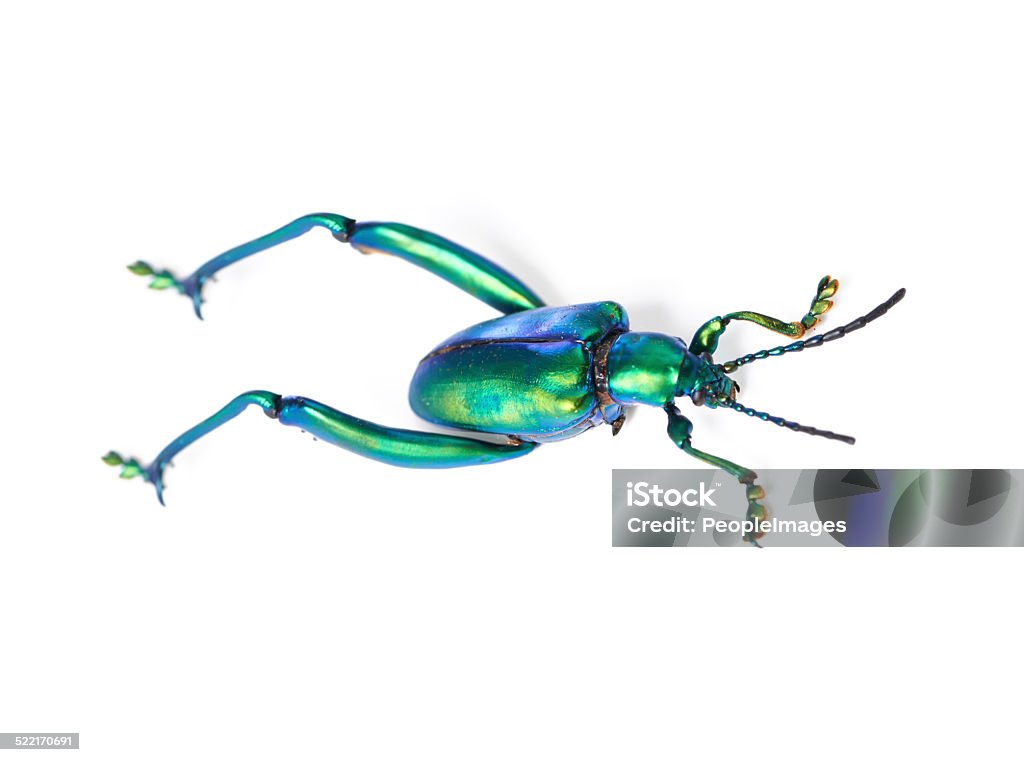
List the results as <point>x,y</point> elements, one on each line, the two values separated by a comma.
<point>161,280</point>
<point>130,468</point>
<point>822,302</point>
<point>756,513</point>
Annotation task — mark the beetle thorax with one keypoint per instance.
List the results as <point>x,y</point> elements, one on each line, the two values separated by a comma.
<point>644,368</point>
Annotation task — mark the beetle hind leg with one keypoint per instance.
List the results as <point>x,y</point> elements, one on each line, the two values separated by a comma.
<point>679,430</point>
<point>456,264</point>
<point>399,447</point>
<point>707,336</point>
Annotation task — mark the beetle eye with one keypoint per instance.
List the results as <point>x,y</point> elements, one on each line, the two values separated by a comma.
<point>698,397</point>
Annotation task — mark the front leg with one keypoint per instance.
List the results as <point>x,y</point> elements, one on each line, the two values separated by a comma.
<point>679,430</point>
<point>706,337</point>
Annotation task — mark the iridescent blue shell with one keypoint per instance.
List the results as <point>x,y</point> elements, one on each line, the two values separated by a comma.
<point>529,374</point>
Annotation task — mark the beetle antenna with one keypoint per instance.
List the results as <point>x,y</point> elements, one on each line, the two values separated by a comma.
<point>723,400</point>
<point>817,341</point>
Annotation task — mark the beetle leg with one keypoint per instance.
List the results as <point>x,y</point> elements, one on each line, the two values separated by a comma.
<point>459,266</point>
<point>706,337</point>
<point>679,430</point>
<point>399,447</point>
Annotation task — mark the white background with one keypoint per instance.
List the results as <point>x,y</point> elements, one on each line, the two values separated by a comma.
<point>296,602</point>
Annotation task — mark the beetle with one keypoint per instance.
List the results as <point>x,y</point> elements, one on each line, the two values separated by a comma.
<point>537,374</point>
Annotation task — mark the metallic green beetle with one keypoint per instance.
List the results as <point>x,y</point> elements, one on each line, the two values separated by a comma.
<point>538,374</point>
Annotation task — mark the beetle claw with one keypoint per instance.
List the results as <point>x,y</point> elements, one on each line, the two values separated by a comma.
<point>192,287</point>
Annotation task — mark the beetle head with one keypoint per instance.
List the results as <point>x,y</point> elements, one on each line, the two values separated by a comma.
<point>704,382</point>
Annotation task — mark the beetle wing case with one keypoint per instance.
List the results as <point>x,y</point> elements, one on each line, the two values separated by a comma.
<point>527,375</point>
